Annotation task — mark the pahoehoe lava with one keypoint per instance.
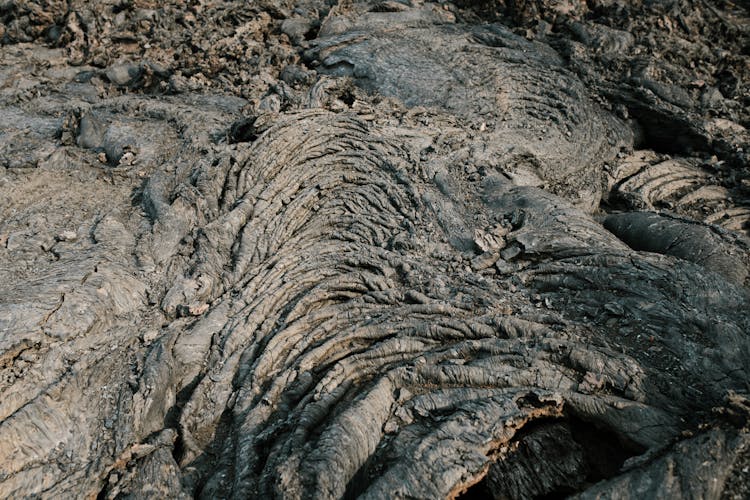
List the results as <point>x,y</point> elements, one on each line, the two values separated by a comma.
<point>400,249</point>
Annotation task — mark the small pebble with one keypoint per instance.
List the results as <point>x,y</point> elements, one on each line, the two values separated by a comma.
<point>123,74</point>
<point>67,236</point>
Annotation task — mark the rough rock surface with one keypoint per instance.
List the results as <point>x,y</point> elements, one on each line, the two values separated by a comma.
<point>387,249</point>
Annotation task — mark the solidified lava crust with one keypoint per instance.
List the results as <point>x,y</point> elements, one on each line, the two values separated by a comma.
<point>398,249</point>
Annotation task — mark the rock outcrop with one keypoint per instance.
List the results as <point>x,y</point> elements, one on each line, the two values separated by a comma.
<point>388,250</point>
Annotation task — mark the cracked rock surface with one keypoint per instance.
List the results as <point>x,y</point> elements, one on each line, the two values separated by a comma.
<point>391,249</point>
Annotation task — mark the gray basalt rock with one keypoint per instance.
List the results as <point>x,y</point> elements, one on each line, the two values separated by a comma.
<point>371,264</point>
<point>534,117</point>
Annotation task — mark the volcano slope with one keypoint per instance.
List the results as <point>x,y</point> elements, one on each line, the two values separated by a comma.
<point>389,250</point>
